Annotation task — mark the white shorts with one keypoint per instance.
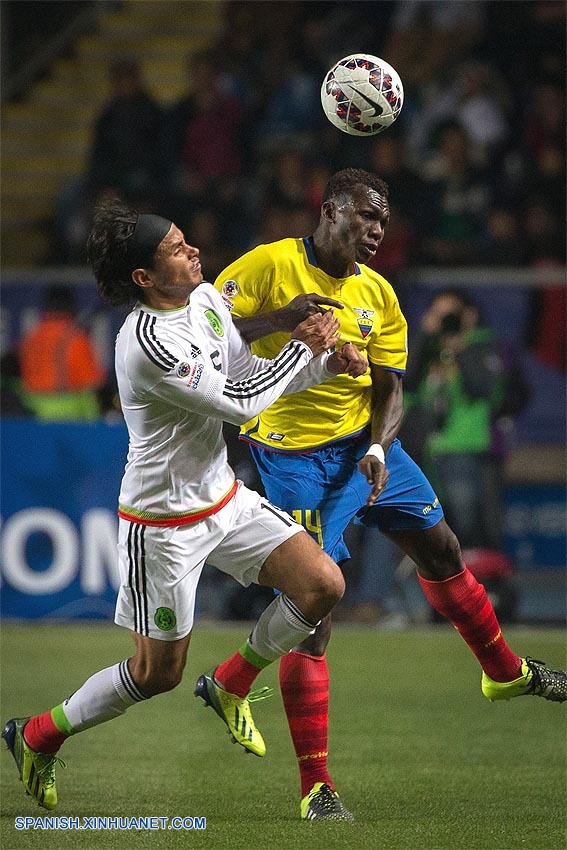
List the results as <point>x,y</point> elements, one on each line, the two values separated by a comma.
<point>160,567</point>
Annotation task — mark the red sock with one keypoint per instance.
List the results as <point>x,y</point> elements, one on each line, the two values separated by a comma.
<point>42,735</point>
<point>236,674</point>
<point>464,602</point>
<point>304,682</point>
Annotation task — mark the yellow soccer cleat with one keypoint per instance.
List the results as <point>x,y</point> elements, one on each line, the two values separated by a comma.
<point>536,680</point>
<point>234,711</point>
<point>37,770</point>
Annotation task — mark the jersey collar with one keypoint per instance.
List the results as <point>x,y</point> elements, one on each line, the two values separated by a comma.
<point>308,245</point>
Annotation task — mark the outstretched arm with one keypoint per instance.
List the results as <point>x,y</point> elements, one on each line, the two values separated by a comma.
<point>285,319</point>
<point>388,406</point>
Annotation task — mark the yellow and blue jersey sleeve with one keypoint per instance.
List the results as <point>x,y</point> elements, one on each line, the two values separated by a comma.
<point>248,282</point>
<point>268,278</point>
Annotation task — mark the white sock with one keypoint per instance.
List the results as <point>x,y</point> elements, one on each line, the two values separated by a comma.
<point>280,627</point>
<point>103,697</point>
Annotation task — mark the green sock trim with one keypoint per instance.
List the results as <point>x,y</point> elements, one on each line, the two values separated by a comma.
<point>59,719</point>
<point>248,653</point>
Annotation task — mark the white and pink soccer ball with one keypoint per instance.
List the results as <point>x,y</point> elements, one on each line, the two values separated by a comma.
<point>362,95</point>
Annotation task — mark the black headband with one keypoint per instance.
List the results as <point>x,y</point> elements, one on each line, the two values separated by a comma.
<point>148,232</point>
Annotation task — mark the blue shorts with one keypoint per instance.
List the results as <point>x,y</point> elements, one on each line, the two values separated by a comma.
<point>323,490</point>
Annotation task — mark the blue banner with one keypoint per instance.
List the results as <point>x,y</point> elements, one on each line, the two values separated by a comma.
<point>535,526</point>
<point>59,522</point>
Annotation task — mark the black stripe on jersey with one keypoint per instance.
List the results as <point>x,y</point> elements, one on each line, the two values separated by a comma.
<point>128,682</point>
<point>152,347</point>
<point>260,383</point>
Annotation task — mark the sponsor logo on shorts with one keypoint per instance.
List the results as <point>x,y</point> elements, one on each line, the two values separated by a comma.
<point>183,369</point>
<point>165,619</point>
<point>230,288</point>
<point>428,508</point>
<point>215,322</point>
<point>273,435</point>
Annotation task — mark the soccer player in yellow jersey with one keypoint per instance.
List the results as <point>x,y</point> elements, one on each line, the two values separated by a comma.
<point>330,454</point>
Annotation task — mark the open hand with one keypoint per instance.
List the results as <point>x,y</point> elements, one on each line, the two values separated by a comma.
<point>303,306</point>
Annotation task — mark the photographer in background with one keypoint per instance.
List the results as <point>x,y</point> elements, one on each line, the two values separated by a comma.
<point>458,386</point>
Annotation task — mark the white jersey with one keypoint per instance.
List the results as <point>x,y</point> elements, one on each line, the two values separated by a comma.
<point>181,373</point>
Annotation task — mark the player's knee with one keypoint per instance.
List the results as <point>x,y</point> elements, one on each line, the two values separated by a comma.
<point>153,680</point>
<point>446,558</point>
<point>331,583</point>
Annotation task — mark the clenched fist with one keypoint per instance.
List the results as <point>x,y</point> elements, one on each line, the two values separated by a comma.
<point>349,360</point>
<point>320,332</point>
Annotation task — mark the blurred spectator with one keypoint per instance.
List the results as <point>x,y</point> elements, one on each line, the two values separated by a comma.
<point>12,402</point>
<point>409,209</point>
<point>459,200</point>
<point>388,158</point>
<point>426,33</point>
<point>476,99</point>
<point>399,248</point>
<point>286,182</point>
<point>281,222</point>
<point>502,243</point>
<point>543,233</point>
<point>544,116</point>
<point>125,155</point>
<point>206,143</point>
<point>206,232</point>
<point>293,111</point>
<point>545,245</point>
<point>373,596</point>
<point>60,371</point>
<point>457,386</point>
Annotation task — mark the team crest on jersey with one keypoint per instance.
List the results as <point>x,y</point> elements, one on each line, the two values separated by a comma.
<point>230,288</point>
<point>364,319</point>
<point>215,322</point>
<point>183,369</point>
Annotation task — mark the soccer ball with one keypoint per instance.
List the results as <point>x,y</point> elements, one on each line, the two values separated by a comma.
<point>362,95</point>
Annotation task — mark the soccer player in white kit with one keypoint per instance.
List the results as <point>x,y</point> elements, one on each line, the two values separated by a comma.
<point>182,369</point>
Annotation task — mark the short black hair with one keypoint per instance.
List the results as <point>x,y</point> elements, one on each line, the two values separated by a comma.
<point>107,252</point>
<point>344,182</point>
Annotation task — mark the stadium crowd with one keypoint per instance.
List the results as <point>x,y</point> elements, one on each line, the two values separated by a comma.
<point>475,162</point>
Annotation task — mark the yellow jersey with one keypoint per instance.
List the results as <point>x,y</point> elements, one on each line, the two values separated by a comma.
<point>268,278</point>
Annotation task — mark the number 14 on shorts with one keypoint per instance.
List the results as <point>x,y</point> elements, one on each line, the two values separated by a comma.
<point>310,520</point>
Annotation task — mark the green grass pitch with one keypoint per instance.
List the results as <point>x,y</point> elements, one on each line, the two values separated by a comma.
<point>418,754</point>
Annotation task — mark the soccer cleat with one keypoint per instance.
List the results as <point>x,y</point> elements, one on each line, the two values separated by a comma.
<point>536,679</point>
<point>322,803</point>
<point>234,711</point>
<point>37,770</point>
